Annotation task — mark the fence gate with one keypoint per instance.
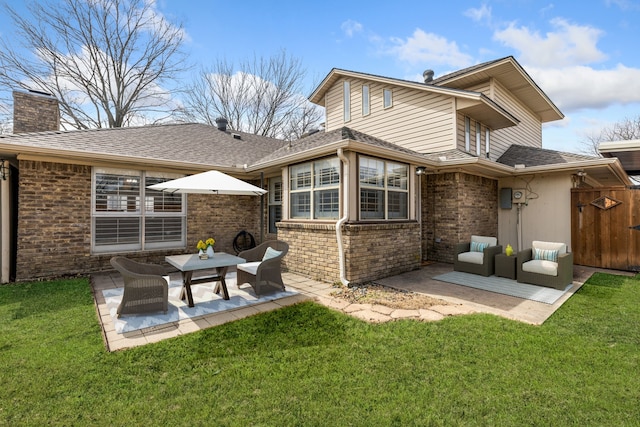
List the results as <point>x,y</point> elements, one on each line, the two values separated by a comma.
<point>605,227</point>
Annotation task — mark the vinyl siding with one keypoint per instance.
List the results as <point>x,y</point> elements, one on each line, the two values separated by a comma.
<point>418,120</point>
<point>461,144</point>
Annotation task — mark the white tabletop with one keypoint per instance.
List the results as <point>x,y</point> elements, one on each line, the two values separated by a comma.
<point>192,262</point>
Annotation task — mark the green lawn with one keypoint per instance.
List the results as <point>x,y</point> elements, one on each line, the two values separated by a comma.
<point>308,365</point>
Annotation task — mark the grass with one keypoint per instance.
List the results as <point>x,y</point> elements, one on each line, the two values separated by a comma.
<point>308,365</point>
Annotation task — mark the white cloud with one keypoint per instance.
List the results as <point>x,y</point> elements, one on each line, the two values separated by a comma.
<point>428,49</point>
<point>580,87</point>
<point>567,45</point>
<point>350,27</point>
<point>483,13</point>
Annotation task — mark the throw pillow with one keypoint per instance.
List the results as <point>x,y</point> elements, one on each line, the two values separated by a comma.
<point>270,253</point>
<point>478,247</point>
<point>545,254</point>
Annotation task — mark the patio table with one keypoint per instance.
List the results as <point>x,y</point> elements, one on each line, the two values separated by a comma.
<point>189,263</point>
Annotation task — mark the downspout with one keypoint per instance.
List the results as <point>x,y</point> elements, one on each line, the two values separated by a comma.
<point>345,216</point>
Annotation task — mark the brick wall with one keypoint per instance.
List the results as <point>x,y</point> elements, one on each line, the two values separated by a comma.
<point>54,222</point>
<point>372,251</point>
<point>454,206</point>
<point>33,112</point>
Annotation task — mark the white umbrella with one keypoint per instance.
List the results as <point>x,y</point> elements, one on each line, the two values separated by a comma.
<point>211,182</point>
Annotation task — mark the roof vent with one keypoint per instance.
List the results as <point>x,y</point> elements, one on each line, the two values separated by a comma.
<point>221,122</point>
<point>428,76</point>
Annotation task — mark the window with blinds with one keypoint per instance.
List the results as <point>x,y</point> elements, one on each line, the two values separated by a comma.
<point>384,189</point>
<point>126,216</point>
<point>315,189</point>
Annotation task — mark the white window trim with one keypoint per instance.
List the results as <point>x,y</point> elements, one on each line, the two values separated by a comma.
<point>312,189</point>
<point>142,212</point>
<point>478,138</point>
<point>487,142</point>
<point>346,99</point>
<point>384,98</point>
<point>386,190</point>
<point>467,134</point>
<point>366,100</point>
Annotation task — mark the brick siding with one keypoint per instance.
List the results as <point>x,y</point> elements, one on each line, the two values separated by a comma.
<point>454,206</point>
<point>35,113</point>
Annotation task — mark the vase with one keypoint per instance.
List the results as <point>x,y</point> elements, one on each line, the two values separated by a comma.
<point>210,251</point>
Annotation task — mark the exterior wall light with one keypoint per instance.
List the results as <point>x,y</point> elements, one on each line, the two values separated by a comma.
<point>421,170</point>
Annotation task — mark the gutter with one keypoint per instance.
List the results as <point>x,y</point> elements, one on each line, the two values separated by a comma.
<point>344,218</point>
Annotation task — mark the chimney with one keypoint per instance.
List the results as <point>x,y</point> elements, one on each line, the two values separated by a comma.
<point>35,112</point>
<point>221,122</point>
<point>428,76</point>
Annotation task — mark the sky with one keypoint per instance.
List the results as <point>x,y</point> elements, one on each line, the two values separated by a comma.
<point>583,55</point>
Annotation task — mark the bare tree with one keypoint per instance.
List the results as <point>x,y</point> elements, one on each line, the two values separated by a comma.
<point>262,96</point>
<point>624,130</point>
<point>104,60</point>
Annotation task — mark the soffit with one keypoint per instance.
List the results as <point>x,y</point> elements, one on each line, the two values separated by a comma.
<point>628,152</point>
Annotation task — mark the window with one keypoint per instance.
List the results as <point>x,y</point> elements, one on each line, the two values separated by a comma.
<point>365,100</point>
<point>387,97</point>
<point>315,190</point>
<point>487,142</point>
<point>275,203</point>
<point>346,93</point>
<point>467,134</point>
<point>121,222</point>
<point>478,138</point>
<point>384,190</point>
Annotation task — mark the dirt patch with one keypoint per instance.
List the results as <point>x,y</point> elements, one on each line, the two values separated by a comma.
<point>372,293</point>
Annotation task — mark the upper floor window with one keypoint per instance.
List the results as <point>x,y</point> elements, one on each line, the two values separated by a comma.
<point>384,189</point>
<point>478,138</point>
<point>366,103</point>
<point>346,93</point>
<point>387,96</point>
<point>315,190</point>
<point>467,134</point>
<point>487,142</point>
<point>126,216</point>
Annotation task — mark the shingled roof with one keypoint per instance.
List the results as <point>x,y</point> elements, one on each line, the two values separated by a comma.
<point>532,156</point>
<point>189,142</point>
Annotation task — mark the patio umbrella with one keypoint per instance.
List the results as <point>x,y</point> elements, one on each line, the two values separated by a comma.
<point>211,182</point>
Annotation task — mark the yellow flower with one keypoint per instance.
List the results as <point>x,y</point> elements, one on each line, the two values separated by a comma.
<point>210,242</point>
<point>201,245</point>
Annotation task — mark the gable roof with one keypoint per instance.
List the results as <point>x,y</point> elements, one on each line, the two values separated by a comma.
<point>192,145</point>
<point>474,104</point>
<point>513,77</point>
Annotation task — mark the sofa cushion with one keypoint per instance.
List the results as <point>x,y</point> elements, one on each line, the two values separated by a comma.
<point>471,257</point>
<point>492,241</point>
<point>541,266</point>
<point>545,254</point>
<point>270,253</point>
<point>249,267</point>
<point>478,246</point>
<point>550,246</point>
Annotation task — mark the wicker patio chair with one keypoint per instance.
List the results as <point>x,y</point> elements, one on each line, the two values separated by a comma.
<point>263,266</point>
<point>469,257</point>
<point>145,288</point>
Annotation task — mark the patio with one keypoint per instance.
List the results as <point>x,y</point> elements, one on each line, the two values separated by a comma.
<point>458,300</point>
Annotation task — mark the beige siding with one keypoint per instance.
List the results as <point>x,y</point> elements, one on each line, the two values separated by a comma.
<point>528,132</point>
<point>417,120</point>
<point>461,145</point>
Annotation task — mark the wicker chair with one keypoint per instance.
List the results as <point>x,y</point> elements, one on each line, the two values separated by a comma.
<point>145,288</point>
<point>263,266</point>
<point>468,260</point>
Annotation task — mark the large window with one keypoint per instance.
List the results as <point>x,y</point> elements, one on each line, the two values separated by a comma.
<point>315,190</point>
<point>275,203</point>
<point>384,189</point>
<point>126,216</point>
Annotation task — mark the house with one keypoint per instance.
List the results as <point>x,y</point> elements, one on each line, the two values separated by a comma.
<point>402,172</point>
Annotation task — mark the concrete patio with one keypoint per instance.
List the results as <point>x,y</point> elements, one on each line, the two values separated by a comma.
<point>458,300</point>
